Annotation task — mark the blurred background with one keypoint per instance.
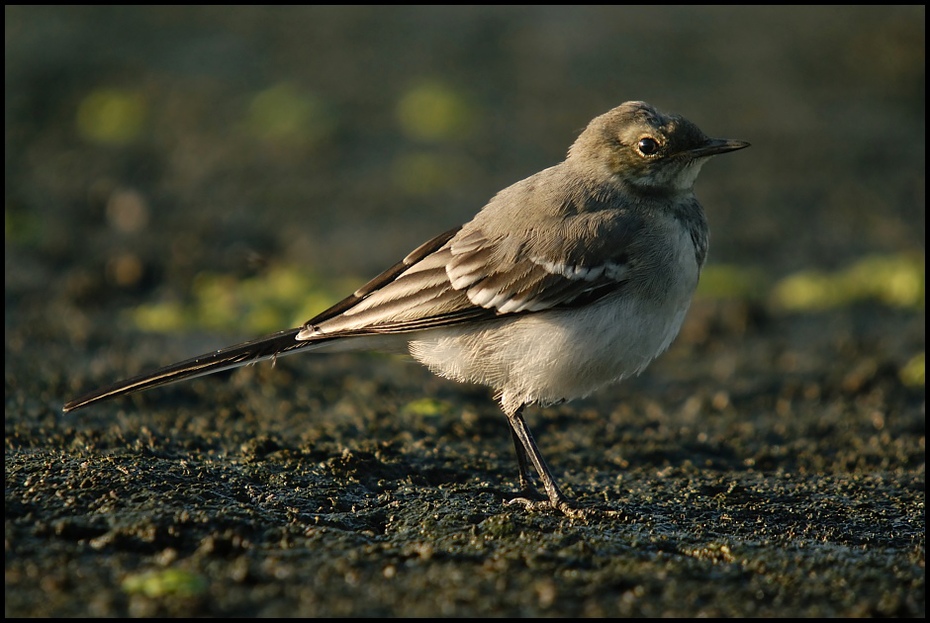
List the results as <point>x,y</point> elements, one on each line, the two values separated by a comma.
<point>182,169</point>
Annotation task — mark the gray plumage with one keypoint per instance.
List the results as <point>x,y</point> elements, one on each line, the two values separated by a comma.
<point>571,279</point>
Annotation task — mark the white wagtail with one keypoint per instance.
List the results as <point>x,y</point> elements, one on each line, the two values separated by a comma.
<point>569,280</point>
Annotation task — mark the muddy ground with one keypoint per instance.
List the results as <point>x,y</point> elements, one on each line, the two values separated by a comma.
<point>772,463</point>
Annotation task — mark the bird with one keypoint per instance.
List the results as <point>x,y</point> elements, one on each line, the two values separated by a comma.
<point>569,280</point>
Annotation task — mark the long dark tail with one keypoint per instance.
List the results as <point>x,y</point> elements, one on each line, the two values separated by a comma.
<point>274,345</point>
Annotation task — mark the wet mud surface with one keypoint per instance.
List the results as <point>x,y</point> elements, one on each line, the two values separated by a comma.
<point>772,463</point>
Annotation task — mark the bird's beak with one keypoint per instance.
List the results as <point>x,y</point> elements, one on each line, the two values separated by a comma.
<point>715,146</point>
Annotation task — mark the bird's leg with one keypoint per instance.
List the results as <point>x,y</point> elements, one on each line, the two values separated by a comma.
<point>525,485</point>
<point>527,449</point>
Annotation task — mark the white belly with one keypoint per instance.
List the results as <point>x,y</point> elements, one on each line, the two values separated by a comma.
<point>559,355</point>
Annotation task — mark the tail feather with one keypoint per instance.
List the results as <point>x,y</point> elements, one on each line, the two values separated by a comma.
<point>268,347</point>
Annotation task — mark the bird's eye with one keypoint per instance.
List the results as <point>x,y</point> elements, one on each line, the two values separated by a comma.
<point>647,146</point>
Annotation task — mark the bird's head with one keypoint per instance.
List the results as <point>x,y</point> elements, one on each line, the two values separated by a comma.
<point>640,147</point>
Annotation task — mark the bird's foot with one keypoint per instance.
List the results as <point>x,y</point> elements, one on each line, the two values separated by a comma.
<point>567,507</point>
